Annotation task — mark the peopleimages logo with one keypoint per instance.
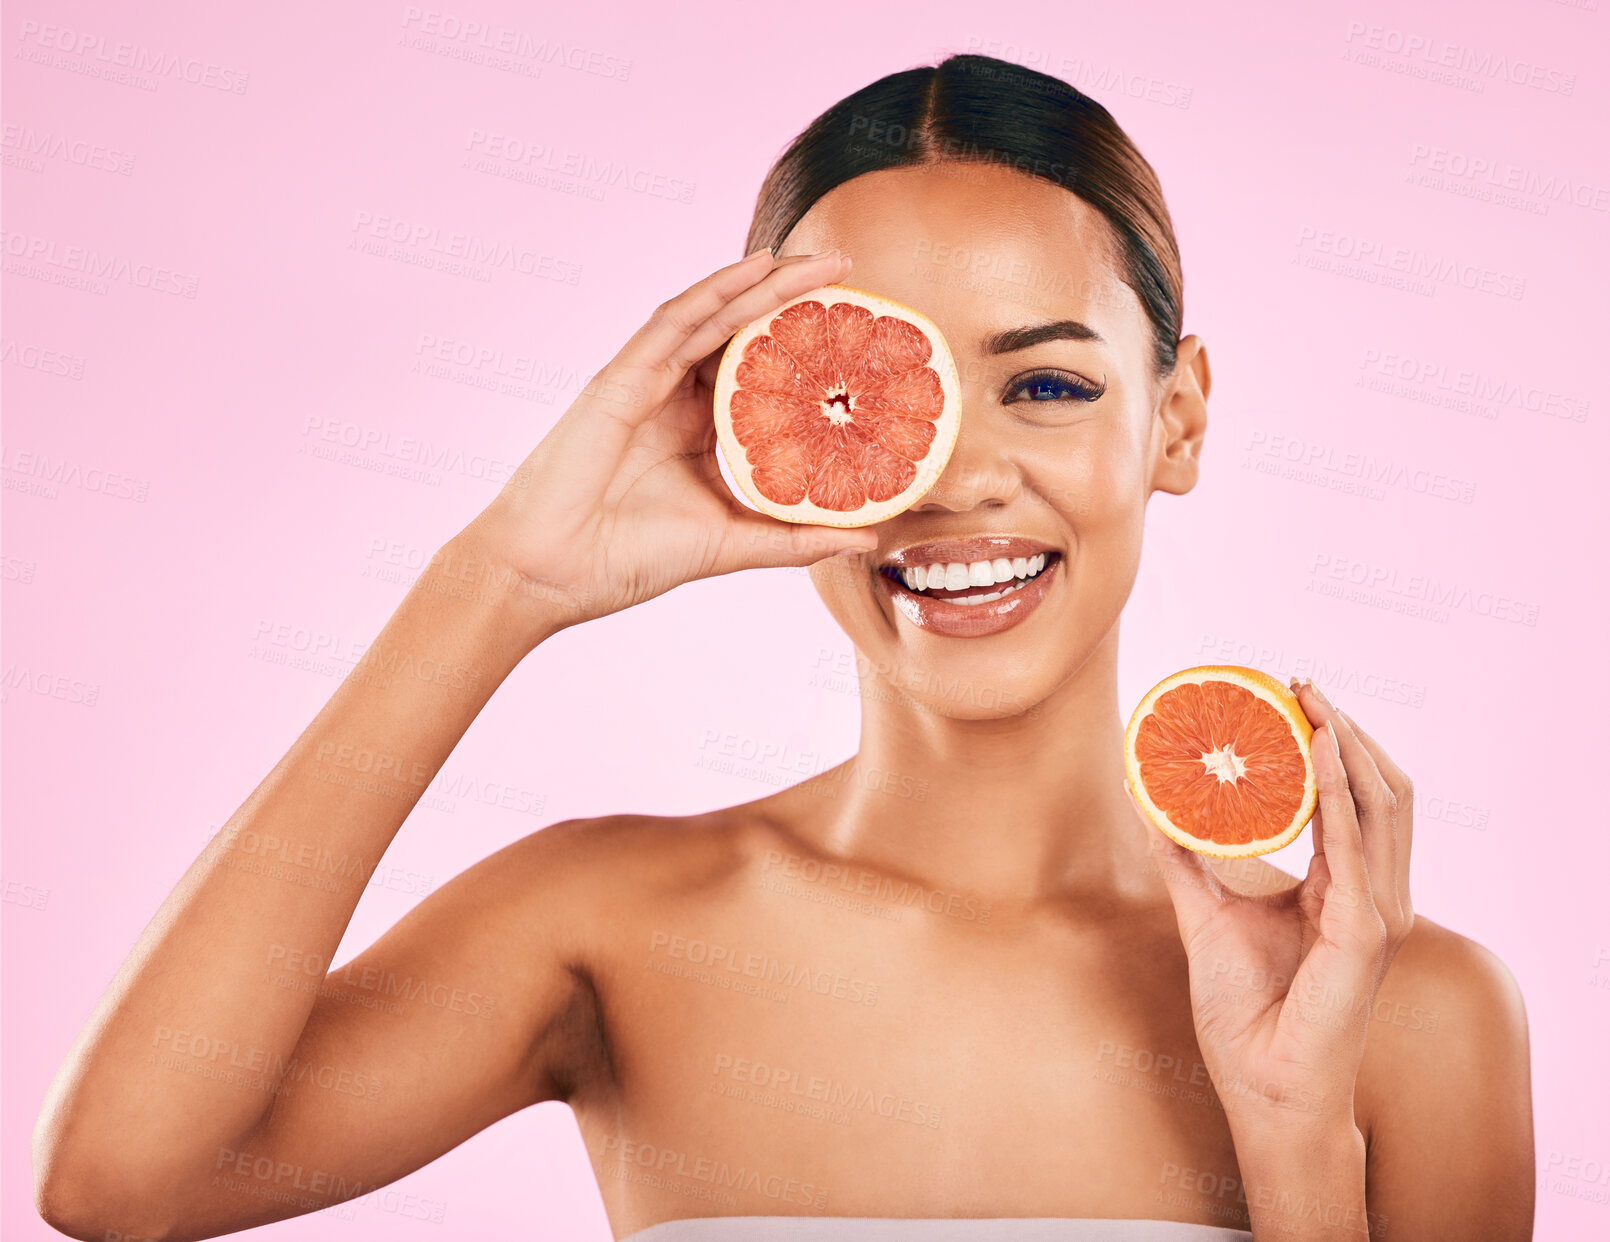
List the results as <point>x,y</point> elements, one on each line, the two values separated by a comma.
<point>737,960</point>
<point>1438,54</point>
<point>29,254</point>
<point>25,142</point>
<point>1419,595</point>
<point>1356,253</point>
<point>524,159</point>
<point>87,47</point>
<point>1427,375</point>
<point>1501,175</point>
<point>478,39</point>
<point>453,251</point>
<point>1090,77</point>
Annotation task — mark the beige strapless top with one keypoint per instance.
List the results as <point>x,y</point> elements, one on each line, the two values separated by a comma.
<point>925,1229</point>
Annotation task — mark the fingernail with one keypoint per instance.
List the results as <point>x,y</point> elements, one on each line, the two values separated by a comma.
<point>851,551</point>
<point>1335,746</point>
<point>757,253</point>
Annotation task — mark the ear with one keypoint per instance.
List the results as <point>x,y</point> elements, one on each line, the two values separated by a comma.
<point>1181,420</point>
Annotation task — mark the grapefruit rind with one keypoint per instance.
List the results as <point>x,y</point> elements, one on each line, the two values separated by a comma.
<point>929,469</point>
<point>1273,692</point>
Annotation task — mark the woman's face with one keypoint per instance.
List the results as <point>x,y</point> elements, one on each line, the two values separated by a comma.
<point>1064,434</point>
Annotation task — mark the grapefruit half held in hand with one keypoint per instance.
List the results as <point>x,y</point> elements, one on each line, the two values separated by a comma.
<point>1219,758</point>
<point>840,408</point>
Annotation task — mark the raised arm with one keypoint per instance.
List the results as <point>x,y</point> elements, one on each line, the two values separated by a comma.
<point>222,1080</point>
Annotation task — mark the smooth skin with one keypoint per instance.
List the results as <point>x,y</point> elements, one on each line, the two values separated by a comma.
<point>956,975</point>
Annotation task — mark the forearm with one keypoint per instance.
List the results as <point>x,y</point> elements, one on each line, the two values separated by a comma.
<point>185,1050</point>
<point>1304,1184</point>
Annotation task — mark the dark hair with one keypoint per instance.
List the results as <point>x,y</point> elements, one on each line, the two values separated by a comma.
<point>979,109</point>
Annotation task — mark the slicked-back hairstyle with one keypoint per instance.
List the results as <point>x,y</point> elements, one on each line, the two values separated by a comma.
<point>980,109</point>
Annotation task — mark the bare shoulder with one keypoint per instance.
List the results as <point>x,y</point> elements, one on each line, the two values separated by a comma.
<point>1444,1094</point>
<point>635,854</point>
<point>586,882</point>
<point>1445,1002</point>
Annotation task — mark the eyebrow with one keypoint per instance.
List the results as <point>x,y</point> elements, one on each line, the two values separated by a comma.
<point>1014,339</point>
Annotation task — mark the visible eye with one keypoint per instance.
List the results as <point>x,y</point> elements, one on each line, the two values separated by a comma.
<point>1052,386</point>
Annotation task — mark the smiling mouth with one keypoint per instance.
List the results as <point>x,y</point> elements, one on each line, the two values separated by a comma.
<point>974,582</point>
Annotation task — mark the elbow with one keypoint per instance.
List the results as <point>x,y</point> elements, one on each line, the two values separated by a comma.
<point>89,1184</point>
<point>68,1212</point>
<point>84,1199</point>
<point>86,1212</point>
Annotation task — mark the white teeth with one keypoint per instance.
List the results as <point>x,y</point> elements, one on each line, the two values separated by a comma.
<point>957,576</point>
<point>984,599</point>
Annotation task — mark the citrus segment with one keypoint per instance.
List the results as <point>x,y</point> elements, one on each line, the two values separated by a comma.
<point>1218,756</point>
<point>840,408</point>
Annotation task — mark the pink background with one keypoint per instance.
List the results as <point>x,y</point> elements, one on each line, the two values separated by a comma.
<point>161,593</point>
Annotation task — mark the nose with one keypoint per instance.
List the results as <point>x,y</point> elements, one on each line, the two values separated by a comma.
<point>978,474</point>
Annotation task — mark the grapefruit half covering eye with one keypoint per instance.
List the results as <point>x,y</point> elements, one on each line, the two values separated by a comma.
<point>1219,758</point>
<point>839,408</point>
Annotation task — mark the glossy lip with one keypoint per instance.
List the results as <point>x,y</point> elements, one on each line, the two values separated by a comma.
<point>948,620</point>
<point>977,548</point>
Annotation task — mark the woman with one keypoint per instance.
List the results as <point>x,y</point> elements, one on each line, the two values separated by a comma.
<point>1006,1008</point>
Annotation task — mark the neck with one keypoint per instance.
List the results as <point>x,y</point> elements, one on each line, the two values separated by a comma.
<point>1016,809</point>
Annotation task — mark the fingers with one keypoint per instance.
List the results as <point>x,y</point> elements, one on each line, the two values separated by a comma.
<point>706,367</point>
<point>1403,794</point>
<point>639,375</point>
<point>761,542</point>
<point>674,320</point>
<point>788,279</point>
<point>683,330</point>
<point>1359,815</point>
<point>1339,828</point>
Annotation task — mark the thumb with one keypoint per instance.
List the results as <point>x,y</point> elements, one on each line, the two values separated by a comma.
<point>1197,893</point>
<point>766,543</point>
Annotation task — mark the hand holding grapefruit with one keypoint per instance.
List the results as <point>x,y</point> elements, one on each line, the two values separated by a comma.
<point>1284,977</point>
<point>623,498</point>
